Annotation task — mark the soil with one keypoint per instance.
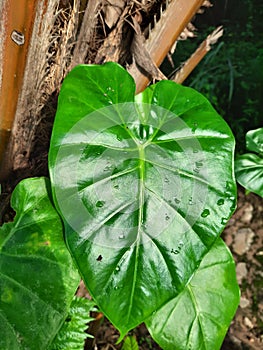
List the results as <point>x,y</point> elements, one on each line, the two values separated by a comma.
<point>244,236</point>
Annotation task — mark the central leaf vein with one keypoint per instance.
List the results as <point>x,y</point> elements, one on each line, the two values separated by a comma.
<point>140,222</point>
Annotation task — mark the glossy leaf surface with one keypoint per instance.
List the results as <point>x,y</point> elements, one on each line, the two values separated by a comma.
<point>37,279</point>
<point>249,166</point>
<point>144,186</point>
<point>198,318</point>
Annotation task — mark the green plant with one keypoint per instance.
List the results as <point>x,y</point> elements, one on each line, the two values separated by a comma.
<point>249,166</point>
<point>151,178</point>
<point>38,279</point>
<point>37,276</point>
<point>145,185</point>
<point>71,335</point>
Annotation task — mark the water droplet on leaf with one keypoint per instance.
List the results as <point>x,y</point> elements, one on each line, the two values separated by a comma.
<point>199,164</point>
<point>180,244</point>
<point>223,221</point>
<point>220,201</point>
<point>228,186</point>
<point>177,201</point>
<point>205,213</point>
<point>194,128</point>
<point>108,167</point>
<point>100,204</point>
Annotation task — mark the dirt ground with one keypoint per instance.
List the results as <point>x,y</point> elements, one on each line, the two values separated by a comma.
<point>244,236</point>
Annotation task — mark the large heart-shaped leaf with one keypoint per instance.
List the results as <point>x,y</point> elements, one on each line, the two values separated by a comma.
<point>37,278</point>
<point>249,166</point>
<point>144,187</point>
<point>198,318</point>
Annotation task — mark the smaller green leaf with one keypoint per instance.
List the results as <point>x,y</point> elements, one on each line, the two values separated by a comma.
<point>198,318</point>
<point>254,140</point>
<point>37,276</point>
<point>130,343</point>
<point>72,334</point>
<point>249,172</point>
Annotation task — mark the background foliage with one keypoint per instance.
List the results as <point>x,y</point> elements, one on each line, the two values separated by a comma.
<point>231,75</point>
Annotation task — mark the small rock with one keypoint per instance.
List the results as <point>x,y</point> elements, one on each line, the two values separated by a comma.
<point>243,240</point>
<point>244,303</point>
<point>248,323</point>
<point>241,271</point>
<point>237,342</point>
<point>247,214</point>
<point>228,238</point>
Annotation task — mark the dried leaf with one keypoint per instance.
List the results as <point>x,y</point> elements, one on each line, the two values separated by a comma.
<point>112,10</point>
<point>142,57</point>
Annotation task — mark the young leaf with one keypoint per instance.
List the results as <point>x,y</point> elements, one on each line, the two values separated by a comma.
<point>249,166</point>
<point>198,318</point>
<point>254,140</point>
<point>37,276</point>
<point>144,186</point>
<point>72,334</point>
<point>130,343</point>
<point>249,172</point>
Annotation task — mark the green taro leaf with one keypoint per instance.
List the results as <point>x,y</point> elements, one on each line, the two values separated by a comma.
<point>144,185</point>
<point>199,316</point>
<point>249,166</point>
<point>37,278</point>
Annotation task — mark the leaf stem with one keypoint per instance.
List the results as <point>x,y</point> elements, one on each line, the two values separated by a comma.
<point>141,185</point>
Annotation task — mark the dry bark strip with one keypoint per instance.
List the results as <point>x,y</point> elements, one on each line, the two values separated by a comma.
<point>166,31</point>
<point>197,56</point>
<point>87,32</point>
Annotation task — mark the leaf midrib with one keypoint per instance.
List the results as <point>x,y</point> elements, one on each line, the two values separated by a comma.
<point>141,150</point>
